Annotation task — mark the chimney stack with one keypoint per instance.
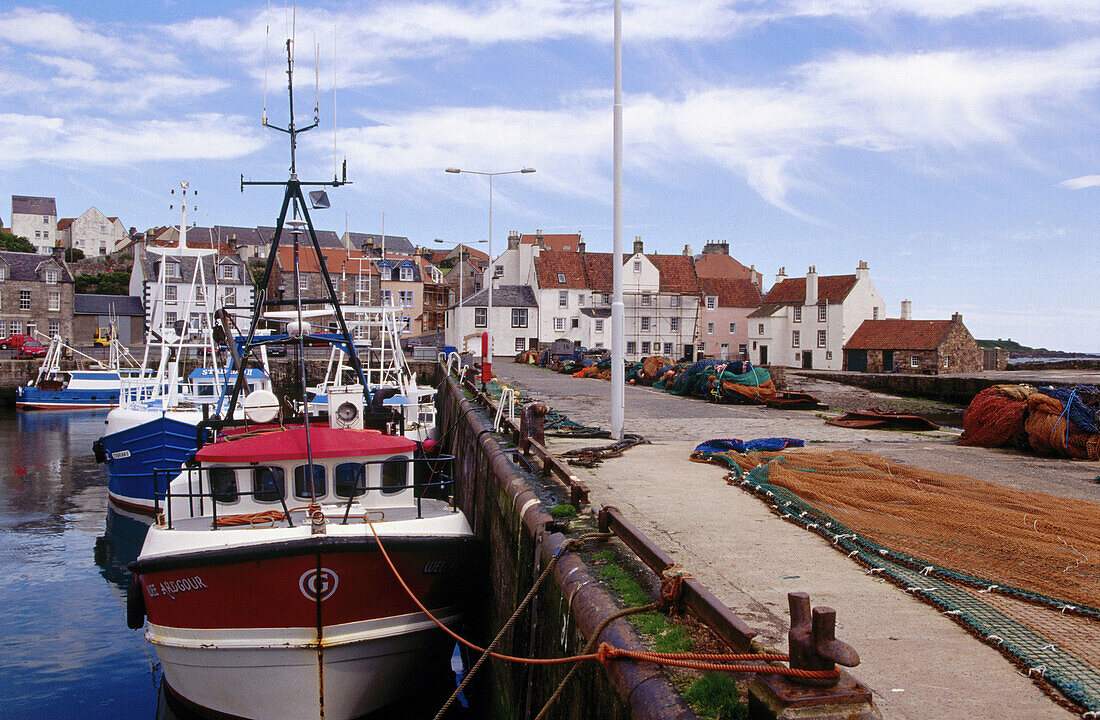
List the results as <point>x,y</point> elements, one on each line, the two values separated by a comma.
<point>906,309</point>
<point>580,246</point>
<point>513,240</point>
<point>687,250</point>
<point>638,247</point>
<point>862,271</point>
<point>957,318</point>
<point>811,286</point>
<point>781,275</point>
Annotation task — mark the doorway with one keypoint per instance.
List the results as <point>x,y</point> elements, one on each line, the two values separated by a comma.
<point>763,354</point>
<point>807,360</point>
<point>888,361</point>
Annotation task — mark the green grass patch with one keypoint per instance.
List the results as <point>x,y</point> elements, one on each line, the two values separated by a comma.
<point>715,696</point>
<point>667,637</point>
<point>563,511</point>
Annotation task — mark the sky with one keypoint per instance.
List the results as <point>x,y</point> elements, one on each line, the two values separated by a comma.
<point>950,144</point>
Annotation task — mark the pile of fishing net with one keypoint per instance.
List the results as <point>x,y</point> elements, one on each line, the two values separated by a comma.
<point>1049,420</point>
<point>530,357</point>
<point>735,381</point>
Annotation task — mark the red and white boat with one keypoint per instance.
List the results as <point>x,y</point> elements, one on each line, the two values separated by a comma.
<point>259,607</point>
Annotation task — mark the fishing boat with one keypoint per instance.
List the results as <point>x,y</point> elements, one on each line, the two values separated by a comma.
<point>278,579</point>
<point>96,386</point>
<point>155,424</point>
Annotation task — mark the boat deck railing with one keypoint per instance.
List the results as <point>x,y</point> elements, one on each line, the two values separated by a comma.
<point>205,498</point>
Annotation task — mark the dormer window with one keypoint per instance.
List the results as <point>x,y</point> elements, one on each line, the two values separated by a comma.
<point>51,276</point>
<point>385,272</point>
<point>712,302</point>
<point>561,278</point>
<point>172,270</point>
<point>228,272</point>
<point>3,273</point>
<point>406,273</point>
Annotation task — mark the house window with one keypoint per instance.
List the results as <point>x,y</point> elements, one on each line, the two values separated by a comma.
<point>874,313</point>
<point>519,317</point>
<point>229,272</point>
<point>796,338</point>
<point>46,219</point>
<point>668,348</point>
<point>733,328</point>
<point>563,298</point>
<point>498,271</point>
<point>647,299</point>
<point>798,313</point>
<point>743,349</point>
<point>561,278</point>
<point>580,300</point>
<point>387,298</point>
<point>405,297</point>
<point>481,317</point>
<point>38,234</point>
<point>361,283</point>
<point>575,323</point>
<point>55,327</point>
<point>631,347</point>
<point>674,301</point>
<point>24,299</point>
<point>606,298</point>
<point>200,294</point>
<point>404,323</point>
<point>196,322</point>
<point>51,276</point>
<point>55,301</point>
<point>913,361</point>
<point>822,311</point>
<point>712,302</point>
<point>710,328</point>
<point>760,329</point>
<point>637,267</point>
<point>3,273</point>
<point>229,296</point>
<point>521,344</point>
<point>828,354</point>
<point>674,324</point>
<point>645,322</point>
<point>172,269</point>
<point>821,338</point>
<point>945,362</point>
<point>645,347</point>
<point>385,272</point>
<point>406,273</point>
<point>170,318</point>
<point>599,326</point>
<point>303,282</point>
<point>559,324</point>
<point>170,293</point>
<point>15,327</point>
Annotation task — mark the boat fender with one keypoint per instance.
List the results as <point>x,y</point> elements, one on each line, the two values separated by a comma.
<point>135,605</point>
<point>98,451</point>
<point>428,445</point>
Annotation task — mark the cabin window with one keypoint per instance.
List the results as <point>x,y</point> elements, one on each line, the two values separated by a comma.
<point>301,482</point>
<point>395,474</point>
<point>223,484</point>
<point>349,480</point>
<point>269,484</point>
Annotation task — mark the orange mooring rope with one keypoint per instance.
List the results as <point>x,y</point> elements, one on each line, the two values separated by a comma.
<point>606,653</point>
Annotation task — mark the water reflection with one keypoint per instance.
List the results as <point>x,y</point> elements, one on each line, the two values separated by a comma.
<point>120,544</point>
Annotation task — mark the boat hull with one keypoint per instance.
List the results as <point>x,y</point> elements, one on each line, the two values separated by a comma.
<point>29,397</point>
<point>236,628</point>
<point>133,454</point>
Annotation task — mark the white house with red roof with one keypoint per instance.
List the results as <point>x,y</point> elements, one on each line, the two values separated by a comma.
<point>93,233</point>
<point>804,322</point>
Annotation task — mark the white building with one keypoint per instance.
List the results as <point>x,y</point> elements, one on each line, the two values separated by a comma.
<point>93,233</point>
<point>35,218</point>
<point>515,320</point>
<point>197,281</point>
<point>804,322</point>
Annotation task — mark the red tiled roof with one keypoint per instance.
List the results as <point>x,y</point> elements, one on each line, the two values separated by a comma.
<point>899,335</point>
<point>792,291</point>
<point>593,271</point>
<point>334,260</point>
<point>731,292</point>
<point>64,223</point>
<point>722,265</point>
<point>562,242</point>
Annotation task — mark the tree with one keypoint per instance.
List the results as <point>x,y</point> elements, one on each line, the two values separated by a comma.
<point>15,243</point>
<point>74,254</point>
<point>116,282</point>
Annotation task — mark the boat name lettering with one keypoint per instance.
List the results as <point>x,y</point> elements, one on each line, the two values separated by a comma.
<point>120,455</point>
<point>175,587</point>
<point>437,567</point>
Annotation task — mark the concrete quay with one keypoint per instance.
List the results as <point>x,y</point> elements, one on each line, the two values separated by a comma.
<point>919,663</point>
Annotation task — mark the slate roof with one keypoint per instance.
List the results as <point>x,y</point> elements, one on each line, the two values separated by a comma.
<point>24,266</point>
<point>899,335</point>
<point>503,296</point>
<point>242,235</point>
<point>122,305</point>
<point>593,271</point>
<point>188,264</point>
<point>396,244</point>
<point>325,238</point>
<point>731,292</point>
<point>792,291</point>
<point>30,205</point>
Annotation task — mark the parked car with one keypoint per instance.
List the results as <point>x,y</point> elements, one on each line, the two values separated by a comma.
<point>30,349</point>
<point>14,341</point>
<point>276,350</point>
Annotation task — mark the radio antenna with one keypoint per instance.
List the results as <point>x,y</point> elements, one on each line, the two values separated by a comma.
<point>316,80</point>
<point>267,51</point>
<point>335,162</point>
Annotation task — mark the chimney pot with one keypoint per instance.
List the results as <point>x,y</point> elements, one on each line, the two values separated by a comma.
<point>638,246</point>
<point>957,317</point>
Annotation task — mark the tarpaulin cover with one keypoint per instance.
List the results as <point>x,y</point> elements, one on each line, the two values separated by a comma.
<point>743,446</point>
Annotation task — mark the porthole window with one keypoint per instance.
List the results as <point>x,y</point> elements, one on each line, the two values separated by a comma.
<point>301,482</point>
<point>223,484</point>
<point>269,484</point>
<point>348,480</point>
<point>395,474</point>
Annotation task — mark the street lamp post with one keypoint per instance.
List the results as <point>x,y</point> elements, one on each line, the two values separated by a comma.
<point>462,252</point>
<point>487,363</point>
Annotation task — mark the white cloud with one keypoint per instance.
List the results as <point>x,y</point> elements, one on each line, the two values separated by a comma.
<point>1080,183</point>
<point>1060,11</point>
<point>34,138</point>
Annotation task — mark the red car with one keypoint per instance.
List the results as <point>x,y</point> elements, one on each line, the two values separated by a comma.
<point>30,349</point>
<point>13,341</point>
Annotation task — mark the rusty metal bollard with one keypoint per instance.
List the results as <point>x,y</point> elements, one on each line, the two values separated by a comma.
<point>812,640</point>
<point>531,426</point>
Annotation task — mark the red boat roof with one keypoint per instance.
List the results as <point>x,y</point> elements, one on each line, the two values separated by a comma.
<point>290,444</point>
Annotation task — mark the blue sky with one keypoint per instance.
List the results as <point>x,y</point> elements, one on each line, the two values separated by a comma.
<point>952,144</point>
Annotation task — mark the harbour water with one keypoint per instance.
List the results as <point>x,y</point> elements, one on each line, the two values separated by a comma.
<point>65,650</point>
